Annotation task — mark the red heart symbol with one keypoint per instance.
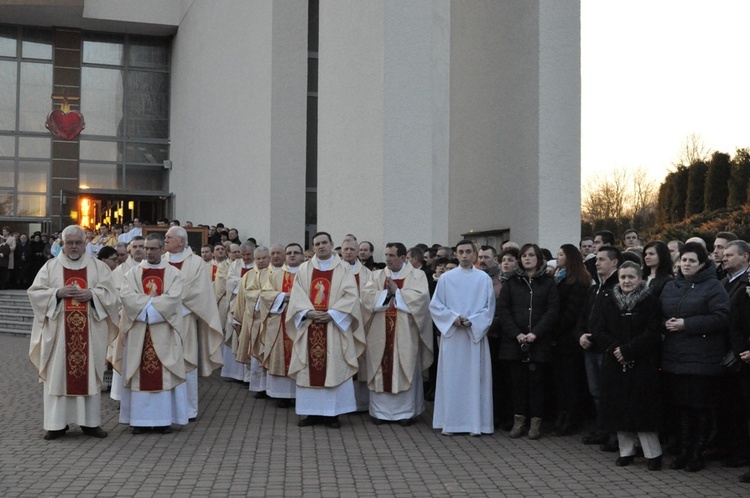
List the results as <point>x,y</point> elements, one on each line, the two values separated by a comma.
<point>65,125</point>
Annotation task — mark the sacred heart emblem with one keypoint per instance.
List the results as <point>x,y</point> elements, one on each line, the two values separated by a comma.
<point>64,123</point>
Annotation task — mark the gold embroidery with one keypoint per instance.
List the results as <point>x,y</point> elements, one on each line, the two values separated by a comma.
<point>77,345</point>
<point>150,362</point>
<point>318,350</point>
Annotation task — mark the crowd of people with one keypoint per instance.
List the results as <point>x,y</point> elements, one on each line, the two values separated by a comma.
<point>650,340</point>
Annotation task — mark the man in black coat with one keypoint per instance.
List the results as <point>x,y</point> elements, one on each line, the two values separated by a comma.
<point>732,441</point>
<point>608,260</point>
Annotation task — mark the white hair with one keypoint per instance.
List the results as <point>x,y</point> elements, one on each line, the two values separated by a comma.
<point>71,229</point>
<point>180,233</point>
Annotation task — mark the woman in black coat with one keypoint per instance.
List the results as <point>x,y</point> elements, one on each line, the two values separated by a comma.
<point>528,305</point>
<point>657,266</point>
<point>629,333</point>
<point>573,281</point>
<point>695,309</point>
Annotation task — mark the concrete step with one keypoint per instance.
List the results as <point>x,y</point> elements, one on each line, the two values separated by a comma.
<point>16,317</point>
<point>16,325</point>
<point>17,332</point>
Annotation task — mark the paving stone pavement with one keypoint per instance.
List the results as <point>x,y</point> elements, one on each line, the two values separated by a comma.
<point>241,446</point>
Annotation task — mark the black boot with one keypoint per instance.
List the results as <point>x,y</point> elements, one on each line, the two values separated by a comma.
<point>684,438</point>
<point>702,421</point>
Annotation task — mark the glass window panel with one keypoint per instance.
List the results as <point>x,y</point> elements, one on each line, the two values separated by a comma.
<point>8,82</point>
<point>145,178</point>
<point>148,104</point>
<point>148,52</point>
<point>146,153</point>
<point>7,41</point>
<point>311,170</point>
<point>100,176</point>
<point>7,147</point>
<point>312,75</point>
<point>311,208</point>
<point>104,50</point>
<point>34,147</point>
<point>102,101</point>
<point>36,45</point>
<point>6,203</point>
<point>32,205</point>
<point>7,173</point>
<point>32,176</point>
<point>101,151</point>
<point>36,95</point>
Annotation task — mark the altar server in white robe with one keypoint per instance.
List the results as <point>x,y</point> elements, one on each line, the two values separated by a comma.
<point>154,395</point>
<point>397,320</point>
<point>462,308</point>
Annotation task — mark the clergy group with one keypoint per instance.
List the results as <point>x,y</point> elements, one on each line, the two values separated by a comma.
<point>327,336</point>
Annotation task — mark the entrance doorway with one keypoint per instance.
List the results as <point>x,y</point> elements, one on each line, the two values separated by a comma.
<point>91,209</point>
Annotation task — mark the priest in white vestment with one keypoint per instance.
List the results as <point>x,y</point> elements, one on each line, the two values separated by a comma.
<point>323,321</point>
<point>398,326</point>
<point>249,320</point>
<point>73,302</point>
<point>349,251</point>
<point>203,336</point>
<point>462,308</point>
<point>278,345</point>
<point>154,395</point>
<point>236,269</point>
<point>136,248</point>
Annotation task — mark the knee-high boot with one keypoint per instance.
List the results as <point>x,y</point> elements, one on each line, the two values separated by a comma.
<point>702,421</point>
<point>685,440</point>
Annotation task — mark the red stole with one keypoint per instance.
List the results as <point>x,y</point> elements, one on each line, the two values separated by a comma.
<point>151,367</point>
<point>356,277</point>
<point>317,333</point>
<point>386,364</point>
<point>213,272</point>
<point>177,264</point>
<point>244,270</point>
<point>286,286</point>
<point>76,336</point>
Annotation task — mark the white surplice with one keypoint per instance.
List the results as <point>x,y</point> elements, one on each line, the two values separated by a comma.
<point>463,394</point>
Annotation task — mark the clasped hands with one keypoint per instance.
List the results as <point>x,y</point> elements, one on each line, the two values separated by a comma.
<point>528,338</point>
<point>318,316</point>
<point>74,292</point>
<point>674,324</point>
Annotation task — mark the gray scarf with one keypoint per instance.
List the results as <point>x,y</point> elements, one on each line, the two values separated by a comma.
<point>628,302</point>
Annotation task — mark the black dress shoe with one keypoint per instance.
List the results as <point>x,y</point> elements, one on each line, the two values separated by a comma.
<point>405,422</point>
<point>333,423</point>
<point>624,461</point>
<point>654,463</point>
<point>166,429</point>
<point>377,421</point>
<point>695,464</point>
<point>50,435</point>
<point>310,420</point>
<point>284,403</point>
<point>745,477</point>
<point>94,432</point>
<point>261,395</point>
<point>140,430</point>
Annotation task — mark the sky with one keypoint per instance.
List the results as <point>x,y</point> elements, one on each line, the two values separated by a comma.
<point>654,72</point>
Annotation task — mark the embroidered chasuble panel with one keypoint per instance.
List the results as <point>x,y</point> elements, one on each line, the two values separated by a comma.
<point>150,369</point>
<point>77,361</point>
<point>386,364</point>
<point>317,333</point>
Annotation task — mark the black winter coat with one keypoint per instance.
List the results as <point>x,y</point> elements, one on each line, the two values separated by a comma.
<point>528,305</point>
<point>597,295</point>
<point>704,305</point>
<point>572,301</point>
<point>631,396</point>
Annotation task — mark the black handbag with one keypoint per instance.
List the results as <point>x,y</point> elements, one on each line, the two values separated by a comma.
<point>731,363</point>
